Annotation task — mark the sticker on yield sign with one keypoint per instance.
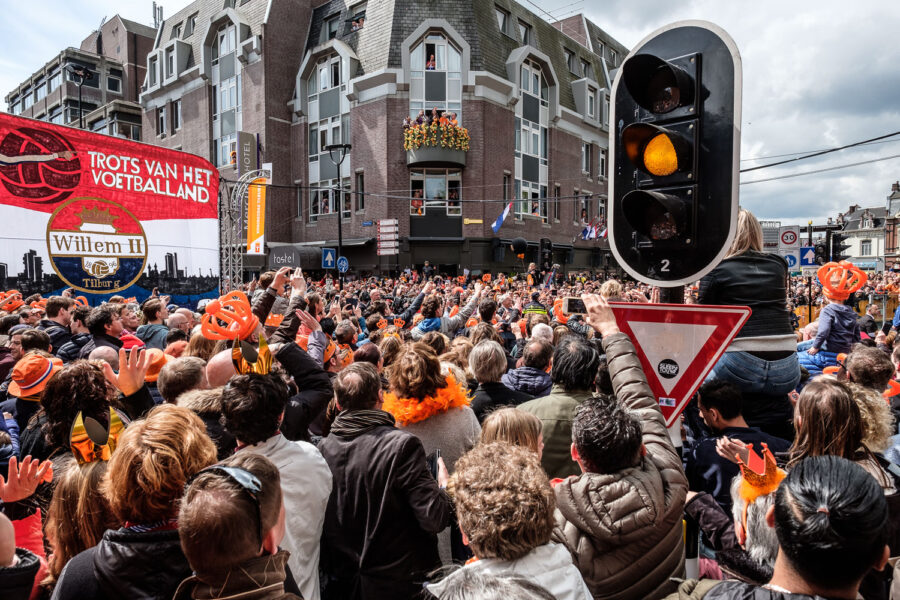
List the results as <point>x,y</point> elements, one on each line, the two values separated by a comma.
<point>678,344</point>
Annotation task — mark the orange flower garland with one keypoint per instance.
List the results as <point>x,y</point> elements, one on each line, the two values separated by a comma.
<point>411,410</point>
<point>434,134</point>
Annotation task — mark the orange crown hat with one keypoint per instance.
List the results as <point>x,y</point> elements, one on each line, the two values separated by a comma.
<point>760,476</point>
<point>248,359</point>
<point>13,305</point>
<point>839,280</point>
<point>229,318</point>
<point>399,323</point>
<point>832,370</point>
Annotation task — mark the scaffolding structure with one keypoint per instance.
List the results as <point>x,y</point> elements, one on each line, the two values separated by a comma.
<point>233,230</point>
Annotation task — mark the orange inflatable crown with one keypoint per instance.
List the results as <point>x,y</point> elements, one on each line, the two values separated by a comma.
<point>229,318</point>
<point>839,280</point>
<point>760,475</point>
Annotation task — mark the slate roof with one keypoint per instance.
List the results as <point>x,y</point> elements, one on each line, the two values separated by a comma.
<point>853,220</point>
<point>138,28</point>
<point>389,22</point>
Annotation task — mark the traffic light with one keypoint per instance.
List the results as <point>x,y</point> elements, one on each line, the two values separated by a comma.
<point>839,247</point>
<point>821,251</point>
<point>675,140</point>
<point>546,252</point>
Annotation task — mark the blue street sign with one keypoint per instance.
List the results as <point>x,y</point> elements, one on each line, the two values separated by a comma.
<point>791,260</point>
<point>368,223</point>
<point>343,264</point>
<point>328,258</point>
<point>807,256</point>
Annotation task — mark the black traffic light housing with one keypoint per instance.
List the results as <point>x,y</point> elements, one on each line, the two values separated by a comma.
<point>839,246</point>
<point>675,154</point>
<point>546,253</point>
<point>821,251</point>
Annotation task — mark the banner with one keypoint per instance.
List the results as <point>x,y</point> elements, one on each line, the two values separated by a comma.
<point>256,216</point>
<point>104,215</point>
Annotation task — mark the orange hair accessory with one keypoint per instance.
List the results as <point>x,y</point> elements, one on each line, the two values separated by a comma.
<point>461,279</point>
<point>457,290</point>
<point>486,278</point>
<point>41,304</point>
<point>15,303</point>
<point>835,368</point>
<point>839,280</point>
<point>229,318</point>
<point>892,390</point>
<point>330,349</point>
<point>760,474</point>
<point>248,359</point>
<point>274,320</point>
<point>90,441</point>
<point>131,300</point>
<point>399,323</point>
<point>454,311</point>
<point>558,313</point>
<point>472,322</point>
<point>382,323</point>
<point>82,300</point>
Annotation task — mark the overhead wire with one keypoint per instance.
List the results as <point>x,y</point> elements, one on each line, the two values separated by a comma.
<point>825,170</point>
<point>820,153</point>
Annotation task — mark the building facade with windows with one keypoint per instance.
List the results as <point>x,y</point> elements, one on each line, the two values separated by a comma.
<point>114,56</point>
<point>523,107</point>
<point>865,231</point>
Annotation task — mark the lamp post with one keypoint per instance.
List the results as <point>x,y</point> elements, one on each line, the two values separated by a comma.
<point>337,153</point>
<point>83,75</point>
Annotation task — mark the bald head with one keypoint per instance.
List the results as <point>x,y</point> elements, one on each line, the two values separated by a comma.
<point>188,314</point>
<point>220,369</point>
<point>7,542</point>
<point>178,321</point>
<point>106,353</point>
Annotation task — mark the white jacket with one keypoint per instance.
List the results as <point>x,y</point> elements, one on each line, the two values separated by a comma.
<point>306,486</point>
<point>549,566</point>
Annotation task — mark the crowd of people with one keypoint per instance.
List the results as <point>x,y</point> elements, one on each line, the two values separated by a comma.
<point>461,439</point>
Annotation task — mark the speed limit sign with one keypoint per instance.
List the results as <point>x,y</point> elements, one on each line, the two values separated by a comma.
<point>789,237</point>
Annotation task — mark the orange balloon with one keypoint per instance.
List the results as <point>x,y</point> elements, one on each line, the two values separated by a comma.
<point>229,318</point>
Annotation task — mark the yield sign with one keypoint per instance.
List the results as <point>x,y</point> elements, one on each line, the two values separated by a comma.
<point>678,344</point>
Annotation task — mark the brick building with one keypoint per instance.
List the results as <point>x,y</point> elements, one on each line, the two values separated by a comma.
<point>114,55</point>
<point>302,75</point>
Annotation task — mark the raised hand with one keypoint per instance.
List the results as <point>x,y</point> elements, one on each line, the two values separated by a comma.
<point>24,480</point>
<point>599,315</point>
<point>132,370</point>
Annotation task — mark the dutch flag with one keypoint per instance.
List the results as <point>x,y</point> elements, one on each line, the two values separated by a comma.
<point>499,222</point>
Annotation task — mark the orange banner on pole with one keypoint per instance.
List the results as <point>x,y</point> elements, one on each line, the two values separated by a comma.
<point>256,216</point>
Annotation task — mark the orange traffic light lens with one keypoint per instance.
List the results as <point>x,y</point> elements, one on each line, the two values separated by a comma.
<point>660,156</point>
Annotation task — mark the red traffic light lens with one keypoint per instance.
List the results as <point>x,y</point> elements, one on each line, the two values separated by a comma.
<point>656,84</point>
<point>656,215</point>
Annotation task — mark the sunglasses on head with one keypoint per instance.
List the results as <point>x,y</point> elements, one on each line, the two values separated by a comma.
<point>249,483</point>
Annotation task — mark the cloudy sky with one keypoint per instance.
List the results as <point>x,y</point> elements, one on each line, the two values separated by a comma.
<point>816,75</point>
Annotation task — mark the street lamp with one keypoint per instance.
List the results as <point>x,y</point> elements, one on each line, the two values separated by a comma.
<point>83,74</point>
<point>337,153</point>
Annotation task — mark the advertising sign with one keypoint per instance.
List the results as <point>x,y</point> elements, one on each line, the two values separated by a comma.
<point>104,215</point>
<point>256,216</point>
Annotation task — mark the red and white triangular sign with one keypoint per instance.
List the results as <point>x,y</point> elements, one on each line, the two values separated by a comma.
<point>678,344</point>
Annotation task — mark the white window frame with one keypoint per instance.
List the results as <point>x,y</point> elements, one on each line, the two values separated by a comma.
<point>587,159</point>
<point>161,121</point>
<point>502,19</point>
<point>865,247</point>
<point>176,115</point>
<point>170,62</point>
<point>445,52</point>
<point>116,79</point>
<point>601,164</point>
<point>526,32</point>
<point>440,205</point>
<point>152,68</point>
<point>532,139</point>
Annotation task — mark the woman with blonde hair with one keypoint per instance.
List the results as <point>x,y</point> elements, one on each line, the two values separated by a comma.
<point>762,359</point>
<point>200,346</point>
<point>515,427</point>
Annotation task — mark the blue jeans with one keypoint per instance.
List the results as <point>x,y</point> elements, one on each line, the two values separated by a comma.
<point>757,376</point>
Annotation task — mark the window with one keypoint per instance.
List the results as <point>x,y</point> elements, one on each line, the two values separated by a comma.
<point>357,19</point>
<point>55,115</point>
<point>599,47</point>
<point>525,35</point>
<point>161,121</point>
<point>114,81</point>
<point>54,81</point>
<point>506,179</point>
<point>154,62</point>
<point>586,152</point>
<point>531,143</point>
<point>587,69</point>
<point>27,99</point>
<point>324,199</point>
<point>606,110</point>
<point>190,26</point>
<point>40,90</point>
<point>613,57</point>
<point>176,32</point>
<point>226,95</point>
<point>170,62</point>
<point>556,204</point>
<point>865,248</point>
<point>360,192</point>
<point>592,102</point>
<point>435,191</point>
<point>435,77</point>
<point>585,205</point>
<point>502,19</point>
<point>570,60</point>
<point>176,115</point>
<point>329,28</point>
<point>601,164</point>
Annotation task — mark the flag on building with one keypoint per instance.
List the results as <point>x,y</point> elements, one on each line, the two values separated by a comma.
<point>499,222</point>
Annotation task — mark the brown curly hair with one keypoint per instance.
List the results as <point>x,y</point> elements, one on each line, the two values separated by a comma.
<point>437,341</point>
<point>154,459</point>
<point>78,386</point>
<point>504,501</point>
<point>390,349</point>
<point>430,306</point>
<point>416,372</point>
<point>485,331</point>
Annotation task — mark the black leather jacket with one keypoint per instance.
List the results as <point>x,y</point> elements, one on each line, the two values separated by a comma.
<point>756,280</point>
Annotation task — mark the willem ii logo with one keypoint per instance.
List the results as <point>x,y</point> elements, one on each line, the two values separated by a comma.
<point>96,245</point>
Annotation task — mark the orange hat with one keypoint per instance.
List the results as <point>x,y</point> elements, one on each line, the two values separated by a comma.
<point>31,374</point>
<point>176,349</point>
<point>158,360</point>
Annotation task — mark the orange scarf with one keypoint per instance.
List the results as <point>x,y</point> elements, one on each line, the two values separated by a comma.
<point>411,410</point>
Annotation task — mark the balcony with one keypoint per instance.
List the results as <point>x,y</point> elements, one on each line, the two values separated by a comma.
<point>439,145</point>
<point>436,158</point>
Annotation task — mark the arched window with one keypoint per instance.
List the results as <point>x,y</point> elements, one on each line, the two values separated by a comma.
<point>226,94</point>
<point>435,77</point>
<point>532,120</point>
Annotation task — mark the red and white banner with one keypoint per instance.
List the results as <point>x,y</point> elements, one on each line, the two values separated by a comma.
<point>104,215</point>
